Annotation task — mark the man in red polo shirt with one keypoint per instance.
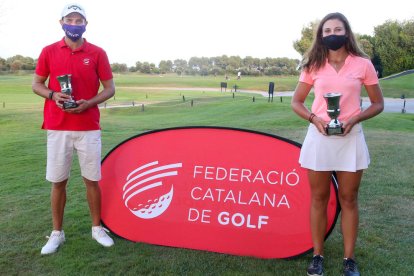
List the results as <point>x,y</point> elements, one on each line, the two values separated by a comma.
<point>73,129</point>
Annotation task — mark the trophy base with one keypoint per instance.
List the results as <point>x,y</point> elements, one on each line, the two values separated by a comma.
<point>334,130</point>
<point>69,105</point>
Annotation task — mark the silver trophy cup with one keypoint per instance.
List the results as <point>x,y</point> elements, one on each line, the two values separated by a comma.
<point>66,88</point>
<point>334,127</point>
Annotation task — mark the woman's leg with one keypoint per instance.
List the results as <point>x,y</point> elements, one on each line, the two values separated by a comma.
<point>348,197</point>
<point>320,192</point>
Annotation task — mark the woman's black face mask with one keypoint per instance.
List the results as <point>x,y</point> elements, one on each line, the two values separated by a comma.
<point>334,42</point>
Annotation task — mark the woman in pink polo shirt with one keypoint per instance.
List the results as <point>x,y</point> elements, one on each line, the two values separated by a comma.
<point>335,64</point>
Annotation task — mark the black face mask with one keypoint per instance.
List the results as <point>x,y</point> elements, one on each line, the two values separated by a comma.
<point>334,42</point>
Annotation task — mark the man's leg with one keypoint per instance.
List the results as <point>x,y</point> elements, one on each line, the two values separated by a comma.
<point>59,160</point>
<point>88,147</point>
<point>58,202</point>
<point>93,195</point>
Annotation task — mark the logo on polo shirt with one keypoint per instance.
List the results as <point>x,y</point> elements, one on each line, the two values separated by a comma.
<point>86,61</point>
<point>147,192</point>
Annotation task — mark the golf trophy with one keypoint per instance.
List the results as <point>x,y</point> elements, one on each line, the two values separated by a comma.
<point>66,88</point>
<point>334,127</point>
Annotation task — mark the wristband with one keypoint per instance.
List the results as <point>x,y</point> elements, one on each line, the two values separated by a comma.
<point>51,94</point>
<point>311,116</point>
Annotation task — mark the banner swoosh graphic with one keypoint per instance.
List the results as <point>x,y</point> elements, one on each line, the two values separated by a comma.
<point>143,179</point>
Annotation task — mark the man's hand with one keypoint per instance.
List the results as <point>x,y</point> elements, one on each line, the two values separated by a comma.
<point>82,106</point>
<point>59,98</point>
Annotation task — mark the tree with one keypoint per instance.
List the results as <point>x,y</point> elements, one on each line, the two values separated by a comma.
<point>165,66</point>
<point>138,66</point>
<point>16,65</point>
<point>222,65</point>
<point>394,44</point>
<point>19,62</point>
<point>221,62</point>
<point>305,42</point>
<point>154,69</point>
<point>407,43</point>
<point>251,63</point>
<point>119,67</point>
<point>235,62</point>
<point>3,64</point>
<point>179,66</point>
<point>146,68</point>
<point>366,44</point>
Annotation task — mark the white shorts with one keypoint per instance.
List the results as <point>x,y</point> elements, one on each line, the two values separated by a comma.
<point>334,153</point>
<point>60,148</point>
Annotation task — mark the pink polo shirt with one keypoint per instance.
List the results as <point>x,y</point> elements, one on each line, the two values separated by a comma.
<point>356,71</point>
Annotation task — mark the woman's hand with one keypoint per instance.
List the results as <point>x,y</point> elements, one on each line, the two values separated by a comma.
<point>348,125</point>
<point>319,124</point>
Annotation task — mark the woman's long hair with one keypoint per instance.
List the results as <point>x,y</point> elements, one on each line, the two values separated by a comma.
<point>317,54</point>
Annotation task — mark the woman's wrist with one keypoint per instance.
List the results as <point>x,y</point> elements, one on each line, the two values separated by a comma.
<point>311,116</point>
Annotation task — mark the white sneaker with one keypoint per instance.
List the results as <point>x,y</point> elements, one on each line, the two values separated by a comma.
<point>55,240</point>
<point>99,234</point>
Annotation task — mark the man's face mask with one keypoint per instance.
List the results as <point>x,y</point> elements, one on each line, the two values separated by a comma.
<point>74,32</point>
<point>334,42</point>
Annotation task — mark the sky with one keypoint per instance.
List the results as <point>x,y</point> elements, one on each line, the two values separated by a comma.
<point>154,30</point>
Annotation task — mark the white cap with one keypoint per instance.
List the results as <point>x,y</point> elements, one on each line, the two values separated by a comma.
<point>73,8</point>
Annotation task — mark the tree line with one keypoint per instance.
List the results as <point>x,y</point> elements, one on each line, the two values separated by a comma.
<point>391,50</point>
<point>17,63</point>
<point>219,65</point>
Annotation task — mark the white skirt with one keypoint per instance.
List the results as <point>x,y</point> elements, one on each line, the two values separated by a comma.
<point>334,153</point>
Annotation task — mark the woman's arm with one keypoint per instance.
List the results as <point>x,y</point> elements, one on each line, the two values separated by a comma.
<point>298,106</point>
<point>376,107</point>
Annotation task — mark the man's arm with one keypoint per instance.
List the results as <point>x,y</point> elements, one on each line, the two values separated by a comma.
<point>39,87</point>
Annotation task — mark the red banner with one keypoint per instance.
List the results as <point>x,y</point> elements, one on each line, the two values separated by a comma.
<point>224,190</point>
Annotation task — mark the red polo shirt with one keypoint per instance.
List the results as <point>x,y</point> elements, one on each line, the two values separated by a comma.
<point>88,65</point>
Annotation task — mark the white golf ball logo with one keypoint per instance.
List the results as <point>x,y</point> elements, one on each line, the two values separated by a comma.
<point>144,193</point>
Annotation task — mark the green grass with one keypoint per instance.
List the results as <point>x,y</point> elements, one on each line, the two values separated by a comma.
<point>282,83</point>
<point>394,88</point>
<point>16,89</point>
<point>386,199</point>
